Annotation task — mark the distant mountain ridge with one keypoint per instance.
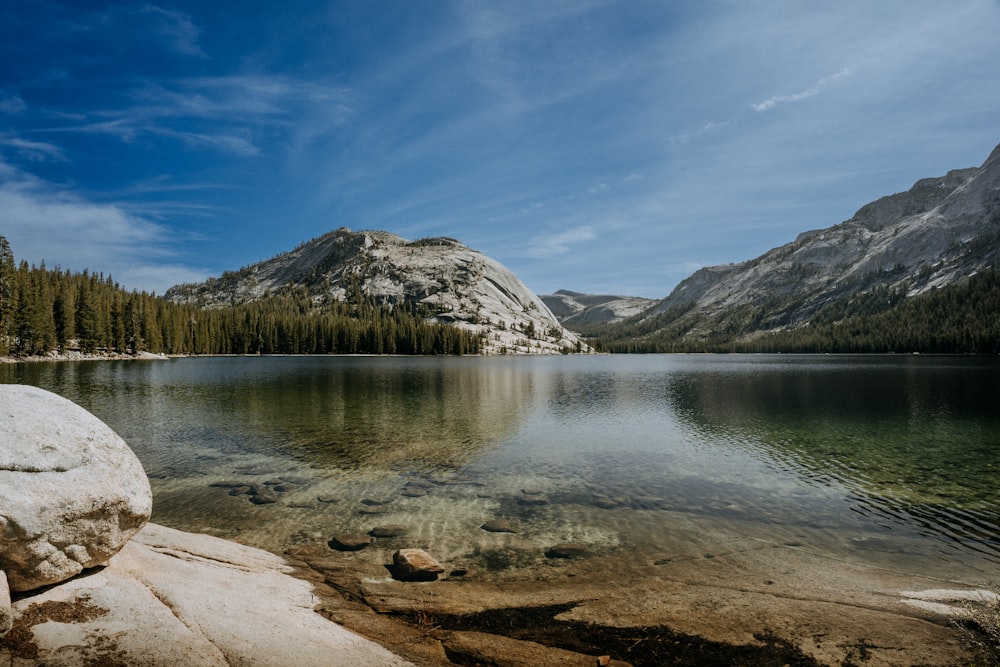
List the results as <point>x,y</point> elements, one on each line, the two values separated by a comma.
<point>938,233</point>
<point>575,308</point>
<point>452,283</point>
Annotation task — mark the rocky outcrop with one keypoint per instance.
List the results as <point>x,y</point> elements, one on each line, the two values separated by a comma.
<point>575,308</point>
<point>174,598</point>
<point>937,233</point>
<point>72,493</point>
<point>451,282</point>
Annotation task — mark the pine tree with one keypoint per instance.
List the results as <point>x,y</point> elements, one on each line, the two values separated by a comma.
<point>8,296</point>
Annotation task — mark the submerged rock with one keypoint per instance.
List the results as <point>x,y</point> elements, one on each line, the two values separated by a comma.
<point>229,484</point>
<point>500,526</point>
<point>415,565</point>
<point>350,541</point>
<point>374,510</point>
<point>72,493</point>
<point>262,497</point>
<point>533,498</point>
<point>566,550</point>
<point>393,530</point>
<point>607,503</point>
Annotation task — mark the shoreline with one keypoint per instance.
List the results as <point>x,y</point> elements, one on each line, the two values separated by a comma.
<point>737,608</point>
<point>80,356</point>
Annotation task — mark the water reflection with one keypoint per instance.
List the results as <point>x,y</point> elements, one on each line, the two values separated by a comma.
<point>894,451</point>
<point>326,412</point>
<point>917,442</point>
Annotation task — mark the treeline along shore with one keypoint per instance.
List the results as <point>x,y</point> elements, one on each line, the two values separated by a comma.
<point>45,311</point>
<point>961,318</point>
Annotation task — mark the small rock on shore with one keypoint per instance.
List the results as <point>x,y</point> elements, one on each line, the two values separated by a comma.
<point>415,565</point>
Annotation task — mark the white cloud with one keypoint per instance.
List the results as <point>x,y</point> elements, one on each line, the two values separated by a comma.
<point>710,126</point>
<point>12,105</point>
<point>812,91</point>
<point>221,142</point>
<point>224,114</point>
<point>179,28</point>
<point>36,151</point>
<point>549,245</point>
<point>45,223</point>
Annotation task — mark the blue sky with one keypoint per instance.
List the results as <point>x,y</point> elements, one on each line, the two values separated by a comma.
<point>602,146</point>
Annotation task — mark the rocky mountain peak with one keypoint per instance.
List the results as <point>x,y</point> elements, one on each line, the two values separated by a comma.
<point>454,284</point>
<point>938,232</point>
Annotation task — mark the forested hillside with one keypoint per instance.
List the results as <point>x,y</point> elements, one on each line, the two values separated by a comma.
<point>43,311</point>
<point>440,278</point>
<point>959,318</point>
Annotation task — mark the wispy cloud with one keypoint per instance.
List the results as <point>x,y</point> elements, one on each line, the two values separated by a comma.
<point>559,243</point>
<point>12,105</point>
<point>44,222</point>
<point>178,28</point>
<point>35,151</point>
<point>224,114</point>
<point>233,145</point>
<point>812,91</point>
<point>708,127</point>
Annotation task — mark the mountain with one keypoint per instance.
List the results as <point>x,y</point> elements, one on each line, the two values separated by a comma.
<point>440,277</point>
<point>935,235</point>
<point>575,308</point>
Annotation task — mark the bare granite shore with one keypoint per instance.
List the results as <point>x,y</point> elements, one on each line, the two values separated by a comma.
<point>750,603</point>
<point>175,598</point>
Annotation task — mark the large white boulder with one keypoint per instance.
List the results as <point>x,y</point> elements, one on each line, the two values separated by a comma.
<point>72,493</point>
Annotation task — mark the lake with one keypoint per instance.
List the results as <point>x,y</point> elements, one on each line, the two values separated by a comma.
<point>886,460</point>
